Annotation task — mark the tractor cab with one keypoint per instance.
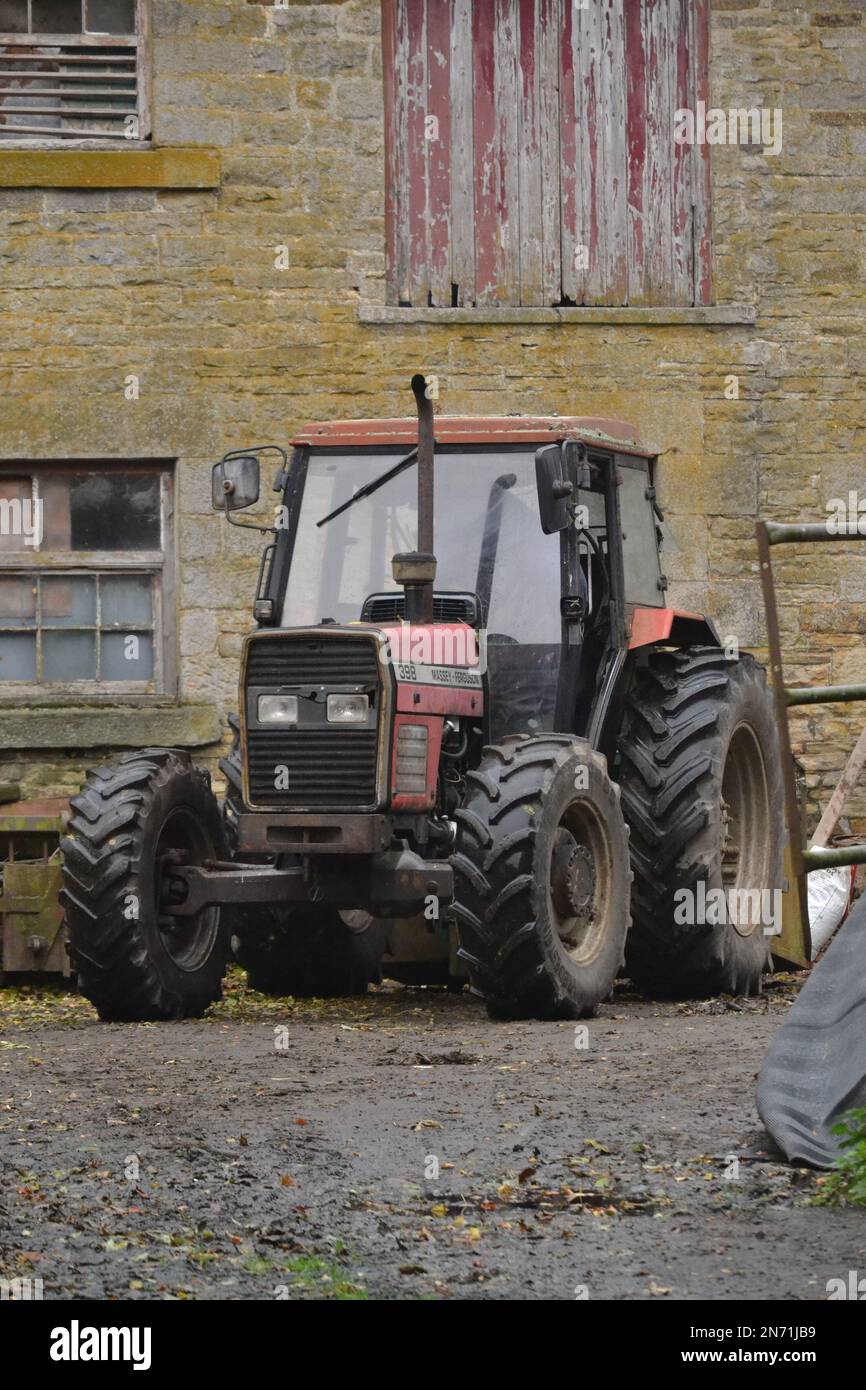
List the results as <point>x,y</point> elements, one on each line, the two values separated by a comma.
<point>351,503</point>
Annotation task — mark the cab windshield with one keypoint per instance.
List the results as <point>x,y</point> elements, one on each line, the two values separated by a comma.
<point>487,538</point>
<point>488,541</point>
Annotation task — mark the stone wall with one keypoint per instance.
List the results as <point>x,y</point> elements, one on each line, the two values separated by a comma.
<point>182,289</point>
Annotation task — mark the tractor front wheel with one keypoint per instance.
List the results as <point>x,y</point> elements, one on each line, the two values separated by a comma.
<point>132,822</point>
<point>542,879</point>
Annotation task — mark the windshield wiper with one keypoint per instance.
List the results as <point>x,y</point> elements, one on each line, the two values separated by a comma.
<point>372,487</point>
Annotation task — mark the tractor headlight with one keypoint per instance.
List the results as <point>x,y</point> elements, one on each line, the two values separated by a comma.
<point>348,709</point>
<point>278,709</point>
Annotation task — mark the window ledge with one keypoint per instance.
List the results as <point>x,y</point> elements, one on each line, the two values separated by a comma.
<point>119,726</point>
<point>166,167</point>
<point>711,314</point>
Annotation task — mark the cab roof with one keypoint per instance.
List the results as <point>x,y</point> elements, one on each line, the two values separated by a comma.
<point>477,429</point>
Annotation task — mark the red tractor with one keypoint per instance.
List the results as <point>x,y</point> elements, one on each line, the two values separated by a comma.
<point>509,759</point>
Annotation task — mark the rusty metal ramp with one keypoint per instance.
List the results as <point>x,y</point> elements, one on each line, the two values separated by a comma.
<point>816,1067</point>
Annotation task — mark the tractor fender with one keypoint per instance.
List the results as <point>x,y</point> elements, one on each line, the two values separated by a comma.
<point>673,626</point>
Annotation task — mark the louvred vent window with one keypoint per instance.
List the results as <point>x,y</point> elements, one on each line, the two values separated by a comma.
<point>72,70</point>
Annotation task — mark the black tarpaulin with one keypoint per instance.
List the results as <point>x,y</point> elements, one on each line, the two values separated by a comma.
<point>816,1067</point>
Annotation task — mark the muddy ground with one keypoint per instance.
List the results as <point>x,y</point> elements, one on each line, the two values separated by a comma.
<point>288,1149</point>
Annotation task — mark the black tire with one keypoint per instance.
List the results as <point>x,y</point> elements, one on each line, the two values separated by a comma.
<point>310,953</point>
<point>134,960</point>
<point>541,878</point>
<point>702,792</point>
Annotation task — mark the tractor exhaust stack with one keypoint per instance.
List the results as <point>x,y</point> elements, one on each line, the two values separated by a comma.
<point>416,570</point>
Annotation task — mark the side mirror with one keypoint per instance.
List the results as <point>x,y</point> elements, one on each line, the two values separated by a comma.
<point>554,489</point>
<point>236,482</point>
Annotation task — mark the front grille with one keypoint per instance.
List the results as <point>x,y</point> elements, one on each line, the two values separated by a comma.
<point>327,766</point>
<point>312,661</point>
<point>447,608</point>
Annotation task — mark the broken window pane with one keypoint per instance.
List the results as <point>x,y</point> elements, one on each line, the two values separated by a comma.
<point>13,16</point>
<point>69,602</point>
<point>114,511</point>
<point>126,601</point>
<point>69,656</point>
<point>17,600</point>
<point>17,656</point>
<point>55,17</point>
<point>127,656</point>
<point>110,16</point>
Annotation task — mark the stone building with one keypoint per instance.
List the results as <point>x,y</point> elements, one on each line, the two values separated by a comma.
<point>220,219</point>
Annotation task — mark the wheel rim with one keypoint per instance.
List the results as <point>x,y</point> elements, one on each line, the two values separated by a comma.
<point>183,840</point>
<point>746,844</point>
<point>580,882</point>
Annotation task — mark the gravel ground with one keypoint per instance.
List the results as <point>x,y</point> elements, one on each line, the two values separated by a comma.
<point>403,1146</point>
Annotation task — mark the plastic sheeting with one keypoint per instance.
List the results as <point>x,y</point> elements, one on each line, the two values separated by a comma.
<point>816,1067</point>
<point>829,895</point>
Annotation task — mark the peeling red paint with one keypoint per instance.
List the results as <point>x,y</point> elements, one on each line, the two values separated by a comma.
<point>419,182</point>
<point>561,120</point>
<point>483,143</point>
<point>438,143</point>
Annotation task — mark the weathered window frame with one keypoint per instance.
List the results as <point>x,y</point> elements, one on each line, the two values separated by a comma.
<point>159,564</point>
<point>115,46</point>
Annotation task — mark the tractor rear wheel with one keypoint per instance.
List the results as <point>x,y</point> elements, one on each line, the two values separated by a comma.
<point>132,821</point>
<point>702,792</point>
<point>541,878</point>
<point>310,953</point>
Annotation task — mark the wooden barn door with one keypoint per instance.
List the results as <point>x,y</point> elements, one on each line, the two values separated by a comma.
<point>530,152</point>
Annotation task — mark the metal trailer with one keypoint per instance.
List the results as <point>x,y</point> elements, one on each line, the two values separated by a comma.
<point>32,939</point>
